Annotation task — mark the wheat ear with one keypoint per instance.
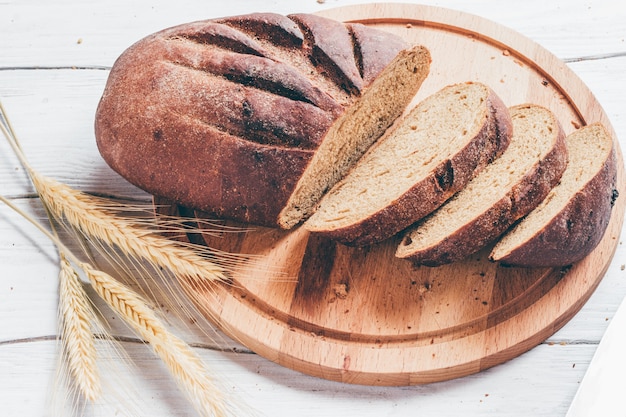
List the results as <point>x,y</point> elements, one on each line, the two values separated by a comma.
<point>80,211</point>
<point>191,267</point>
<point>182,362</point>
<point>78,341</point>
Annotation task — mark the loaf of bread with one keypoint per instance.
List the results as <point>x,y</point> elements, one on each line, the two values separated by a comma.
<point>572,219</point>
<point>427,157</point>
<point>253,117</point>
<point>505,191</point>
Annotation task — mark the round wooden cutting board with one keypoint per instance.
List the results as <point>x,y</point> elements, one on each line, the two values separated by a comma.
<point>359,315</point>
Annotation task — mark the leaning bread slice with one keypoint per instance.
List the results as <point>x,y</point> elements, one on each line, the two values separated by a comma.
<point>430,154</point>
<point>572,219</point>
<point>502,193</point>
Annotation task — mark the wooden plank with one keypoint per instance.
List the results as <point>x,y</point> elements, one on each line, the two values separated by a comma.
<point>52,113</point>
<point>28,298</point>
<point>542,374</point>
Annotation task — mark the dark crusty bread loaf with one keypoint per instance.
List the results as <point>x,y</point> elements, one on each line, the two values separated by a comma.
<point>572,219</point>
<point>253,117</point>
<point>506,190</point>
<point>429,155</point>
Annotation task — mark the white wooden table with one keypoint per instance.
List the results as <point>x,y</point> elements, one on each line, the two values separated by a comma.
<point>54,60</point>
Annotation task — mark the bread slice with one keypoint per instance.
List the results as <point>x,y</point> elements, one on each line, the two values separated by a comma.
<point>253,117</point>
<point>572,219</point>
<point>505,191</point>
<point>429,155</point>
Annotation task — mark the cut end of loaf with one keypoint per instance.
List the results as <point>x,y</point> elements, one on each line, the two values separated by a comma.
<point>572,219</point>
<point>355,131</point>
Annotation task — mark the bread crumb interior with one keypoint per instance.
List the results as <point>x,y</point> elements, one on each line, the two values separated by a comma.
<point>534,134</point>
<point>355,131</point>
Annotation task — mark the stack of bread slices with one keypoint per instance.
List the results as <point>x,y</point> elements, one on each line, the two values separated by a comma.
<point>300,121</point>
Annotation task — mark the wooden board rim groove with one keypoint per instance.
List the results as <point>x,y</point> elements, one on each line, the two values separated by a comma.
<point>339,355</point>
<point>507,310</point>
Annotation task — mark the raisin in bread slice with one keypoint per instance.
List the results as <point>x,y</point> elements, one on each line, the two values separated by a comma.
<point>429,155</point>
<point>253,117</point>
<point>502,193</point>
<point>572,219</point>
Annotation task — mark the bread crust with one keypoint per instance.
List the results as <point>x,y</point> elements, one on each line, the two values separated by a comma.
<point>449,177</point>
<point>576,230</point>
<point>224,115</point>
<point>522,198</point>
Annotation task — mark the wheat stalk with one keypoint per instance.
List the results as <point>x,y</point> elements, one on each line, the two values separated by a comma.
<point>186,367</point>
<point>83,213</point>
<point>97,219</point>
<point>76,317</point>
